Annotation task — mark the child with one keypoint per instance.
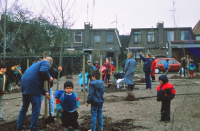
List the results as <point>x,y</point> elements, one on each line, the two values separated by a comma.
<point>4,81</point>
<point>95,97</point>
<point>17,73</point>
<point>166,66</point>
<point>94,66</point>
<point>105,74</point>
<point>81,80</point>
<point>67,104</point>
<point>165,93</point>
<point>191,68</point>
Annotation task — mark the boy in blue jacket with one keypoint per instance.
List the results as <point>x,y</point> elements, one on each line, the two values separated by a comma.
<point>81,80</point>
<point>166,66</point>
<point>95,97</point>
<point>67,104</point>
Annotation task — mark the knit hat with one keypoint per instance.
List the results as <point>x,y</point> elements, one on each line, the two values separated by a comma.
<point>163,78</point>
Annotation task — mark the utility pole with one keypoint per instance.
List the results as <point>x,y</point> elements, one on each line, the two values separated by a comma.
<point>87,11</point>
<point>174,10</point>
<point>4,42</point>
<point>115,21</point>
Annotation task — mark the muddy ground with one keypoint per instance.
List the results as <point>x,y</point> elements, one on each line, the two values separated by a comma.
<point>123,111</point>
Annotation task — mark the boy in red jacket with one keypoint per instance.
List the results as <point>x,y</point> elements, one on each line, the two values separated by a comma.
<point>165,93</point>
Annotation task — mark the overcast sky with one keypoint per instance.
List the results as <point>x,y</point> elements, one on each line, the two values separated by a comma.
<point>130,13</point>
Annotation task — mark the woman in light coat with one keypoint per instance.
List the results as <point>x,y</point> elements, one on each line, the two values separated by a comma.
<point>129,71</point>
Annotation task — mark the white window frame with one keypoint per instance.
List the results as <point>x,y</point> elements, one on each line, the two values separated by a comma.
<point>150,36</point>
<point>184,36</point>
<point>169,32</point>
<point>137,37</point>
<point>109,35</point>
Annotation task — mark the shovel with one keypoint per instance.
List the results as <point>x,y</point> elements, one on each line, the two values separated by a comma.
<point>49,119</point>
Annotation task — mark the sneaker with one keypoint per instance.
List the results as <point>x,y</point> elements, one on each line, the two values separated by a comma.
<point>105,84</point>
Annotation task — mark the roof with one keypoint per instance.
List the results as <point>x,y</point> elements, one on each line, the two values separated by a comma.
<point>196,29</point>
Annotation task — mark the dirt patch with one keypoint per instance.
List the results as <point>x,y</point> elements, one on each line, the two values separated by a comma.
<point>113,98</point>
<point>69,77</point>
<point>177,77</point>
<point>130,97</point>
<point>16,90</point>
<point>12,126</point>
<point>197,76</point>
<point>113,88</point>
<point>122,125</point>
<point>140,80</point>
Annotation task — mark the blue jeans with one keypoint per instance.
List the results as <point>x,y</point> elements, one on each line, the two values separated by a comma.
<point>52,101</point>
<point>17,76</point>
<point>96,113</point>
<point>166,72</point>
<point>36,106</point>
<point>148,80</point>
<point>107,78</point>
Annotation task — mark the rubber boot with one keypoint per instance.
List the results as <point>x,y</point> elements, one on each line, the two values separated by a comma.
<point>132,87</point>
<point>129,87</point>
<point>66,129</point>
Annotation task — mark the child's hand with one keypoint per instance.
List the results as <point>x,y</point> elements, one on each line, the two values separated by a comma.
<point>87,104</point>
<point>60,68</point>
<point>61,110</point>
<point>77,109</point>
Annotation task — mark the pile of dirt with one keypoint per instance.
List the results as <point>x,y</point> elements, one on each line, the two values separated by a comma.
<point>130,96</point>
<point>69,77</point>
<point>197,76</point>
<point>113,88</point>
<point>108,125</point>
<point>12,126</point>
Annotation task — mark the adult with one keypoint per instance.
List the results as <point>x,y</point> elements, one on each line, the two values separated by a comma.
<point>129,71</point>
<point>88,68</point>
<point>183,64</point>
<point>147,69</point>
<point>107,66</point>
<point>54,74</point>
<point>32,83</point>
<point>97,65</point>
<point>153,68</point>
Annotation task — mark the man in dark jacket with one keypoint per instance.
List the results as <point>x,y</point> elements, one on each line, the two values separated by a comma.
<point>95,97</point>
<point>32,83</point>
<point>88,68</point>
<point>183,65</point>
<point>147,69</point>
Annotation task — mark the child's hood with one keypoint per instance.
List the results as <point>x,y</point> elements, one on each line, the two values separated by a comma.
<point>97,84</point>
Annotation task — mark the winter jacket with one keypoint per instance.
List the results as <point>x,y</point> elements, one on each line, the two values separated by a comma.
<point>96,91</point>
<point>165,91</point>
<point>166,65</point>
<point>81,78</point>
<point>54,74</point>
<point>130,69</point>
<point>88,68</point>
<point>32,81</point>
<point>60,95</point>
<point>113,68</point>
<point>147,63</point>
<point>183,62</point>
<point>191,66</point>
<point>4,83</point>
<point>108,66</point>
<point>153,68</point>
<point>17,70</point>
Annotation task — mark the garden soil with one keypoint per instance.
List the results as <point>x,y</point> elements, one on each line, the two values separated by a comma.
<point>123,110</point>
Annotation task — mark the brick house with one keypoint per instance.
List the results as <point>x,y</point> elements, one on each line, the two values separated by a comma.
<point>162,41</point>
<point>96,42</point>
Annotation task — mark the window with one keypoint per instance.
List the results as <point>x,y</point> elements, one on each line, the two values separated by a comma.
<point>150,36</point>
<point>109,36</point>
<point>184,35</point>
<point>197,37</point>
<point>137,37</point>
<point>172,62</point>
<point>161,61</point>
<point>97,36</point>
<point>110,54</point>
<point>77,37</point>
<point>170,35</point>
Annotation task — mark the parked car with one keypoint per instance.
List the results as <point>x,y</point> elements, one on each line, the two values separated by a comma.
<point>173,64</point>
